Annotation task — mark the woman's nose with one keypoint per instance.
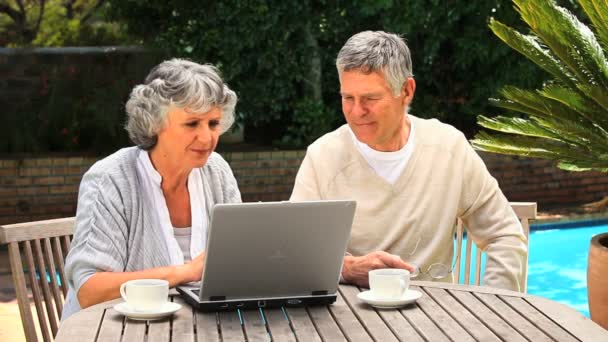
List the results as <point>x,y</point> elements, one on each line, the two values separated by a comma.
<point>204,134</point>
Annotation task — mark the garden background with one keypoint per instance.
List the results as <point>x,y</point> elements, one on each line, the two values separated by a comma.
<point>67,67</point>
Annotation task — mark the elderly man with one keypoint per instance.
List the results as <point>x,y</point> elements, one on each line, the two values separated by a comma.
<point>412,178</point>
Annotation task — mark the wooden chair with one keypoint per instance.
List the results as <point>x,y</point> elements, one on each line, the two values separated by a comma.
<point>38,249</point>
<point>525,211</point>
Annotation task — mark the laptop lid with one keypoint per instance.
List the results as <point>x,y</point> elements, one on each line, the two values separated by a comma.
<point>267,250</point>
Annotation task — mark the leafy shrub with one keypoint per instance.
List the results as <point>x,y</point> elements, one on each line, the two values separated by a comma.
<point>311,120</point>
<point>74,103</point>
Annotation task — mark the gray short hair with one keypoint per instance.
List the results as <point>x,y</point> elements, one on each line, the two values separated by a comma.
<point>377,51</point>
<point>176,83</point>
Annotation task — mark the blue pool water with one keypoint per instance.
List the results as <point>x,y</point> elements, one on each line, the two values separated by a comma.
<point>557,264</point>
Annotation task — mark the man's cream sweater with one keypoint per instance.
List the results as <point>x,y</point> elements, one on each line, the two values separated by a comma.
<point>444,179</point>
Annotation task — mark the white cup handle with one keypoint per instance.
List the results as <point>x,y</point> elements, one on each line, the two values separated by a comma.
<point>403,285</point>
<point>123,292</point>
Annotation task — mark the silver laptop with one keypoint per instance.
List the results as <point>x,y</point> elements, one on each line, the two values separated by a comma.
<point>272,254</point>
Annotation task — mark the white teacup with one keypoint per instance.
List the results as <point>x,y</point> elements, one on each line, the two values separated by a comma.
<point>145,294</point>
<point>389,283</point>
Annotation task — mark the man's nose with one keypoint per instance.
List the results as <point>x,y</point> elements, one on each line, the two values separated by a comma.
<point>359,108</point>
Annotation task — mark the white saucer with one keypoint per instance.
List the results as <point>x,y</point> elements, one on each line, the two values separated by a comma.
<point>167,309</point>
<point>410,296</point>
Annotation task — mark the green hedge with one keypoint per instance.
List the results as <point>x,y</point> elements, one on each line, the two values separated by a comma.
<point>68,99</point>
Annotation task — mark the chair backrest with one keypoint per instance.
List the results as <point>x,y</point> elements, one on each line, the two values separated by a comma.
<point>37,251</point>
<point>525,212</point>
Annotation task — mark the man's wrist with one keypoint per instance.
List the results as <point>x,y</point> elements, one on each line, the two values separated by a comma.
<point>346,267</point>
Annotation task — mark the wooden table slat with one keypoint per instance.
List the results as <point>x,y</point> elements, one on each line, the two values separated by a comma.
<point>325,323</point>
<point>373,323</point>
<point>183,322</point>
<point>445,312</point>
<point>278,325</point>
<point>461,314</point>
<point>82,326</point>
<point>302,325</point>
<point>423,324</point>
<point>159,331</point>
<point>493,322</point>
<point>111,326</point>
<point>230,326</point>
<point>519,323</point>
<point>134,331</point>
<point>207,327</point>
<point>348,322</point>
<point>254,326</point>
<point>582,326</point>
<point>399,325</point>
<point>549,327</point>
<point>429,304</point>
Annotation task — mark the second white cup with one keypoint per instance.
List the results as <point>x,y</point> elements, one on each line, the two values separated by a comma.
<point>145,294</point>
<point>389,283</point>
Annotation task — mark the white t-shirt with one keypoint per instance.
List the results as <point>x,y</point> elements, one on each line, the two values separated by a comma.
<point>182,235</point>
<point>388,165</point>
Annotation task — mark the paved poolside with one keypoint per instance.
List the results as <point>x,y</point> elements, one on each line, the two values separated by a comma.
<point>11,328</point>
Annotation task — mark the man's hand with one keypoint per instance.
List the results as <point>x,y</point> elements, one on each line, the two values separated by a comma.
<point>355,269</point>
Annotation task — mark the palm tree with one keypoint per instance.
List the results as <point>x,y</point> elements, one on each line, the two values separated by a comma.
<point>567,119</point>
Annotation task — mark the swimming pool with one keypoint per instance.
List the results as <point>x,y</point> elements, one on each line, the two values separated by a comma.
<point>557,263</point>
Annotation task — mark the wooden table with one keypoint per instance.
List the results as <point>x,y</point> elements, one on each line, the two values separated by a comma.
<point>445,312</point>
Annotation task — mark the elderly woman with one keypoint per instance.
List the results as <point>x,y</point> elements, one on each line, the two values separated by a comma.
<point>143,212</point>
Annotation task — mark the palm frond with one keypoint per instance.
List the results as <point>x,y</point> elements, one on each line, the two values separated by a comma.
<point>598,94</point>
<point>568,38</point>
<point>567,132</point>
<point>523,145</point>
<point>542,106</point>
<point>583,105</point>
<point>597,11</point>
<point>538,148</point>
<point>530,47</point>
<point>575,133</point>
<point>516,126</point>
<point>566,120</point>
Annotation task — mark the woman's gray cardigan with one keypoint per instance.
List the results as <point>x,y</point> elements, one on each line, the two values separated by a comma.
<point>116,230</point>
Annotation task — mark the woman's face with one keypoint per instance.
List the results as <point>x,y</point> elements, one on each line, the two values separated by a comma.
<point>189,138</point>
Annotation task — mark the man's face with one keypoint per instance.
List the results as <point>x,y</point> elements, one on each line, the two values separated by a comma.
<point>372,111</point>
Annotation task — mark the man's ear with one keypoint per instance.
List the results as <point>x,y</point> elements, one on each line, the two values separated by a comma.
<point>408,90</point>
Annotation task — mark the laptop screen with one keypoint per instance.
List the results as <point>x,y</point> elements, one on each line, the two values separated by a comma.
<point>275,249</point>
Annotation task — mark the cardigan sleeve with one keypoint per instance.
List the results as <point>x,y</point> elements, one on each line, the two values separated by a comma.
<point>492,224</point>
<point>101,232</point>
<point>224,185</point>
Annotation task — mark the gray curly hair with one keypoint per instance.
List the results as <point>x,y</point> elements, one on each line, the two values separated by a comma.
<point>377,51</point>
<point>176,83</point>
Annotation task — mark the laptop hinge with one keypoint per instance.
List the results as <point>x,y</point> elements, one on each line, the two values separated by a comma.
<point>319,293</point>
<point>217,298</point>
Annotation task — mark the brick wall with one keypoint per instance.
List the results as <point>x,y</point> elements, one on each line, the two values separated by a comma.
<point>538,180</point>
<point>41,188</point>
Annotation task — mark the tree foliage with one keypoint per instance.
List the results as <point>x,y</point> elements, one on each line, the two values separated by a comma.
<point>280,55</point>
<point>567,118</point>
<point>26,23</point>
